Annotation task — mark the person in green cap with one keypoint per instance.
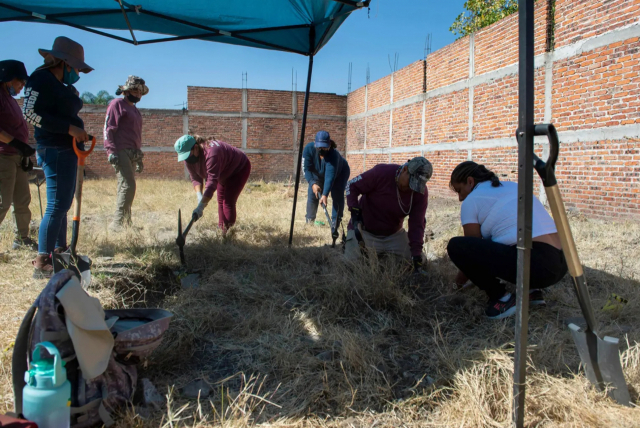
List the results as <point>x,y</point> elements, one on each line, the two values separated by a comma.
<point>214,165</point>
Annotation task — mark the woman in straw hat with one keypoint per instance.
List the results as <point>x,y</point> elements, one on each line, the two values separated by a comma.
<point>52,105</point>
<point>15,153</point>
<point>123,143</point>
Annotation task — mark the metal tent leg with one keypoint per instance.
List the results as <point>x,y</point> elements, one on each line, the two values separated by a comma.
<point>525,134</point>
<point>299,164</point>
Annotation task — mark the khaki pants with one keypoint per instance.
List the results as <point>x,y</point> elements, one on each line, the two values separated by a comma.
<point>125,171</point>
<point>14,189</point>
<point>397,244</point>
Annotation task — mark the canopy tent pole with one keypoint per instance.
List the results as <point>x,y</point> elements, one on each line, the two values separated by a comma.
<point>301,148</point>
<point>524,136</point>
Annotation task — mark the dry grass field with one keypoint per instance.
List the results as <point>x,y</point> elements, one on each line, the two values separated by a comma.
<point>296,338</point>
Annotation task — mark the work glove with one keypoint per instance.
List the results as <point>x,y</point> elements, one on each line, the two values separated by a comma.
<point>27,164</point>
<point>199,194</point>
<point>356,217</point>
<point>417,266</point>
<point>199,211</point>
<point>114,161</point>
<point>24,149</point>
<point>356,220</point>
<point>139,166</point>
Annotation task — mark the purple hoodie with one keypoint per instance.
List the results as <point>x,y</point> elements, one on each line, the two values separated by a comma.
<point>220,161</point>
<point>12,122</point>
<point>122,127</point>
<point>381,212</point>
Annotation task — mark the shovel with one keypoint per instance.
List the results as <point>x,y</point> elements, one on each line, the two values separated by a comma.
<point>39,181</point>
<point>181,239</point>
<point>600,356</point>
<point>80,265</point>
<point>334,228</point>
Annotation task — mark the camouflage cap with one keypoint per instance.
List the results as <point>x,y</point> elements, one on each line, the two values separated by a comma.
<point>420,171</point>
<point>133,82</point>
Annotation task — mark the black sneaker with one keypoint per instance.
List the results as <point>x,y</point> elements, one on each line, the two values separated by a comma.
<point>25,244</point>
<point>497,309</point>
<point>536,298</point>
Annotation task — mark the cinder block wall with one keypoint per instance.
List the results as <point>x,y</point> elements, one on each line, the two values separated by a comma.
<point>463,104</point>
<point>264,124</point>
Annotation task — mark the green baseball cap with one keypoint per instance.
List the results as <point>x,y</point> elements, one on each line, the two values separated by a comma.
<point>183,146</point>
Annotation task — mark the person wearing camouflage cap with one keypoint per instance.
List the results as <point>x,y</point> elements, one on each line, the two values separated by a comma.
<point>123,143</point>
<point>15,153</point>
<point>379,200</point>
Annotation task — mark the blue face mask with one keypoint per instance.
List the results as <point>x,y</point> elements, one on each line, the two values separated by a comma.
<point>12,91</point>
<point>69,77</point>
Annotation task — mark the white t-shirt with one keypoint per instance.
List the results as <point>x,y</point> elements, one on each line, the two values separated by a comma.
<point>495,209</point>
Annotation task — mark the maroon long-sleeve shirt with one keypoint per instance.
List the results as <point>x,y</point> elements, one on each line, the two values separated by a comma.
<point>12,122</point>
<point>375,192</point>
<point>220,161</point>
<point>122,127</point>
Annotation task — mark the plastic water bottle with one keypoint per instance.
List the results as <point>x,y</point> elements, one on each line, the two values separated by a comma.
<point>47,394</point>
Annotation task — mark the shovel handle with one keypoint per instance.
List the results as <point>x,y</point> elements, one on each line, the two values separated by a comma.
<point>546,170</point>
<point>82,154</point>
<point>77,206</point>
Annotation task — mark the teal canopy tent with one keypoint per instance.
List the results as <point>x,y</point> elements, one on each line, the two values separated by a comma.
<point>297,26</point>
<point>302,27</point>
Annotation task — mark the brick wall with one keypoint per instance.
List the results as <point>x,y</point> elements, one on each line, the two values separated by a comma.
<point>260,122</point>
<point>581,19</point>
<point>586,83</point>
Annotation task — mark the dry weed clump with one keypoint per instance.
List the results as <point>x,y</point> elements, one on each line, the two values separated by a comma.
<point>298,338</point>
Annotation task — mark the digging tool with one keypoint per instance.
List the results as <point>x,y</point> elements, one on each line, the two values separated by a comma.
<point>181,239</point>
<point>600,356</point>
<point>334,228</point>
<point>39,182</point>
<point>81,265</point>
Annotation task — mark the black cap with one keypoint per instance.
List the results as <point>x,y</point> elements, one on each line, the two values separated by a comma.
<point>11,69</point>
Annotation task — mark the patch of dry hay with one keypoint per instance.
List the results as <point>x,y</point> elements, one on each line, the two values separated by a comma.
<point>296,338</point>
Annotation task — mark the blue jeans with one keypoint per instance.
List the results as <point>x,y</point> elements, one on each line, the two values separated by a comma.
<point>60,166</point>
<point>337,196</point>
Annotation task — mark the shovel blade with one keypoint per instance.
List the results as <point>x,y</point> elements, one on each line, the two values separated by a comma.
<point>601,360</point>
<point>80,265</point>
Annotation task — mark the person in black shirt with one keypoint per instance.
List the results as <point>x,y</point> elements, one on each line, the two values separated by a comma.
<point>52,105</point>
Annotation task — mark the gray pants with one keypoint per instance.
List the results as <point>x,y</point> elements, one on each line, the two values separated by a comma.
<point>125,171</point>
<point>14,189</point>
<point>397,244</point>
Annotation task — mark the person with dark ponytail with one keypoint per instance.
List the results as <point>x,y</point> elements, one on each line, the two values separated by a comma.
<point>487,252</point>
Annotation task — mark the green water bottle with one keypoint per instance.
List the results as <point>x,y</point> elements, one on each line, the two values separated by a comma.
<point>47,394</point>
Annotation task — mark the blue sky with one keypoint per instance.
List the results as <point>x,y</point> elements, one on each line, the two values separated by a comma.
<point>393,26</point>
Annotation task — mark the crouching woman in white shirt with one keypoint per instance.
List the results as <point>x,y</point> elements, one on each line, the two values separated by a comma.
<point>487,252</point>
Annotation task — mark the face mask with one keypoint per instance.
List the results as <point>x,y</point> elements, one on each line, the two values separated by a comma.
<point>12,91</point>
<point>133,99</point>
<point>191,159</point>
<point>69,77</point>
<point>323,152</point>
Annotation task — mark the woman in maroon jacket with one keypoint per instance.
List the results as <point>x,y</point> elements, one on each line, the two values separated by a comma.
<point>14,152</point>
<point>215,165</point>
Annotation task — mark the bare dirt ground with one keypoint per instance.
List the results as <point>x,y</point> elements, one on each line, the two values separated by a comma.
<point>296,338</point>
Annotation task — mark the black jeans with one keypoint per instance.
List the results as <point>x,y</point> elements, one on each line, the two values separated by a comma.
<point>484,262</point>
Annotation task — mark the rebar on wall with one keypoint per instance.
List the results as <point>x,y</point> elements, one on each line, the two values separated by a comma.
<point>427,52</point>
<point>349,81</point>
<point>551,25</point>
